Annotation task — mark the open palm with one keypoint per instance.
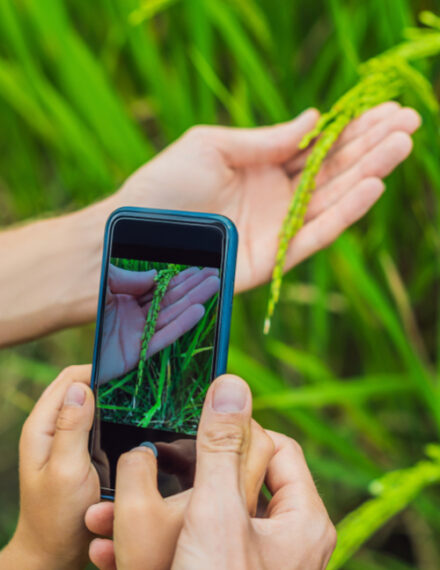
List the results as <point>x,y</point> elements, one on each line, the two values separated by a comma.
<point>128,300</point>
<point>250,175</point>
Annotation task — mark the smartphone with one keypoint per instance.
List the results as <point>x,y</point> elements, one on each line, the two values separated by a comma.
<point>162,336</point>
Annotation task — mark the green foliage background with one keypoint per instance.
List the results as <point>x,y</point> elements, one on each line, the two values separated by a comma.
<point>91,90</point>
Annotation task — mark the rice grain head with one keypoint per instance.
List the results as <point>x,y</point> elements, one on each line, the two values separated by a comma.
<point>382,78</point>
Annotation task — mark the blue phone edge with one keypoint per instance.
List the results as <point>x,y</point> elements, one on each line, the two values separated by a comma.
<point>227,281</point>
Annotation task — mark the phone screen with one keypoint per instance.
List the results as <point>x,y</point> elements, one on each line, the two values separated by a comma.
<point>157,345</point>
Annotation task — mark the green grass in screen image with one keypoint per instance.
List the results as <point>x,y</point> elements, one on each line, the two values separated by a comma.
<point>166,390</point>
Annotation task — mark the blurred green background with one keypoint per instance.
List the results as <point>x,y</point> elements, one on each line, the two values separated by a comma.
<point>91,90</point>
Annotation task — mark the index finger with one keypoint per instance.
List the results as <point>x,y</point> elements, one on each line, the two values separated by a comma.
<point>289,479</point>
<point>144,529</point>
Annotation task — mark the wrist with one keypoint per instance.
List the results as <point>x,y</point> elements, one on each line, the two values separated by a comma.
<point>17,555</point>
<point>149,187</point>
<point>81,238</point>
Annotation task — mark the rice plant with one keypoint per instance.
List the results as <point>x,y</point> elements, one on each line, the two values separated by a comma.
<point>162,280</point>
<point>382,78</point>
<point>352,366</point>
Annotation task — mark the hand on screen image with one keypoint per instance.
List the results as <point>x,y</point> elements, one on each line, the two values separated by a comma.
<point>129,296</point>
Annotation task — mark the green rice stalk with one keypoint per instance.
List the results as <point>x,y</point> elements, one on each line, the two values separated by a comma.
<point>162,280</point>
<point>394,491</point>
<point>387,76</point>
<point>145,422</point>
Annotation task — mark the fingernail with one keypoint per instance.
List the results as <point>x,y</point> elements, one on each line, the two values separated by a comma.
<point>230,395</point>
<point>148,445</point>
<point>75,395</point>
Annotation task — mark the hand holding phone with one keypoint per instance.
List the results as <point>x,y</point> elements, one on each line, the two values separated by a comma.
<point>162,334</point>
<point>57,479</point>
<point>215,524</point>
<point>152,541</point>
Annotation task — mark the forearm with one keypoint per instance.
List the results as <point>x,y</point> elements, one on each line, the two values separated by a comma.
<point>50,273</point>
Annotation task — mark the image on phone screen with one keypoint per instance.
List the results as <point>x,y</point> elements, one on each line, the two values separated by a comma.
<point>156,345</point>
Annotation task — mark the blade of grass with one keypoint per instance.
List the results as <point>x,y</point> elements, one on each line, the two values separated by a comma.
<point>394,492</point>
<point>350,391</point>
<point>264,381</point>
<point>237,112</point>
<point>269,99</point>
<point>99,104</point>
<point>355,273</point>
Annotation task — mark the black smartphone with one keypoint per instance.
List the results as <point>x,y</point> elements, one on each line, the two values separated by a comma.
<point>162,336</point>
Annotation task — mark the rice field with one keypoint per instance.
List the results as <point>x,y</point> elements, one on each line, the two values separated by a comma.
<point>351,367</point>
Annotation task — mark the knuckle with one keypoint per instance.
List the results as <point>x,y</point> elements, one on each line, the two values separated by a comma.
<point>295,447</point>
<point>69,371</point>
<point>371,138</point>
<point>201,515</point>
<point>322,239</point>
<point>69,419</point>
<point>203,141</point>
<point>133,459</point>
<point>75,372</point>
<point>272,143</point>
<point>199,133</point>
<point>366,168</point>
<point>267,445</point>
<point>225,436</point>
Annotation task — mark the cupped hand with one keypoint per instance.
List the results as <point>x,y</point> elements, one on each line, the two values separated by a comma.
<point>148,526</point>
<point>57,479</point>
<point>128,300</point>
<point>250,176</point>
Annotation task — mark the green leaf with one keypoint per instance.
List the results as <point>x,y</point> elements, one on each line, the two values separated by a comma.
<point>349,391</point>
<point>394,491</point>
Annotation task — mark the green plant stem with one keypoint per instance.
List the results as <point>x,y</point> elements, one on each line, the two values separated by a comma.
<point>162,280</point>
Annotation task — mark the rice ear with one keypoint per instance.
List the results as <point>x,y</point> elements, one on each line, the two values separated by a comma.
<point>387,76</point>
<point>162,280</point>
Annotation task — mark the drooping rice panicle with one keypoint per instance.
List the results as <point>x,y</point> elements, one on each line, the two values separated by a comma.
<point>382,78</point>
<point>162,280</point>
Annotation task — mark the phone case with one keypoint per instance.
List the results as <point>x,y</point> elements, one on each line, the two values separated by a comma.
<point>227,282</point>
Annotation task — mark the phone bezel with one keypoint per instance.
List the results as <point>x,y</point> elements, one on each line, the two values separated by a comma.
<point>227,267</point>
